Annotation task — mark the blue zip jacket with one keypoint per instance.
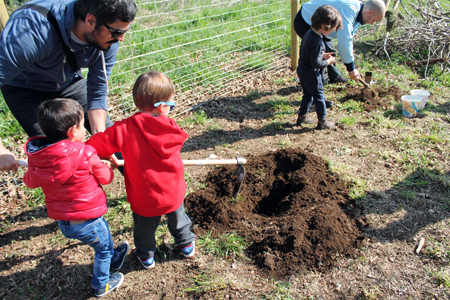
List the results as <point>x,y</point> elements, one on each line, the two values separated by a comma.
<point>31,54</point>
<point>348,9</point>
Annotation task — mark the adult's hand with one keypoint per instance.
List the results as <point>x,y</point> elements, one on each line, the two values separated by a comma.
<point>355,75</point>
<point>7,160</point>
<point>97,119</point>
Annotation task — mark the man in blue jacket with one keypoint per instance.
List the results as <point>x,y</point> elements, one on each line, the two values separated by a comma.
<point>354,14</point>
<point>44,45</point>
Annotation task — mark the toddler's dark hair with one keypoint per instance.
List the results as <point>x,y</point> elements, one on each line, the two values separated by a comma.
<point>328,15</point>
<point>57,116</point>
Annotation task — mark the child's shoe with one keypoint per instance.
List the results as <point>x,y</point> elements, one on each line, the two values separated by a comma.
<point>325,124</point>
<point>122,250</point>
<point>115,280</point>
<point>189,250</point>
<point>303,119</point>
<point>147,263</point>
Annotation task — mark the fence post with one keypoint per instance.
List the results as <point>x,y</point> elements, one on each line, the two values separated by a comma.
<point>294,37</point>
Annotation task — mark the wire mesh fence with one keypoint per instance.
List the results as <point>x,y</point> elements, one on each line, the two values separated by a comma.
<point>209,48</point>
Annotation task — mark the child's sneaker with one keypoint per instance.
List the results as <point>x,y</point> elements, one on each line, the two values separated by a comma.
<point>189,250</point>
<point>147,263</point>
<point>115,280</point>
<point>122,250</point>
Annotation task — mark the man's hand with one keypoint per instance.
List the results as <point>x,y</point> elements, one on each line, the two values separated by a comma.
<point>7,160</point>
<point>97,119</point>
<point>354,75</point>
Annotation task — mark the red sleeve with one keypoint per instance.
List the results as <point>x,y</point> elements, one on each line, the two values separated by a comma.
<point>106,143</point>
<point>29,182</point>
<point>102,172</point>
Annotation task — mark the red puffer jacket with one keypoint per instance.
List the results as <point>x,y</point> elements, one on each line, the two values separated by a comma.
<point>70,174</point>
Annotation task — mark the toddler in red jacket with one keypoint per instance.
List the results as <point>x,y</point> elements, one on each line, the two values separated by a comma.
<point>70,173</point>
<point>150,144</point>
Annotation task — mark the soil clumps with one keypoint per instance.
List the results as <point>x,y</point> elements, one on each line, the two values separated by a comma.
<point>372,98</point>
<point>290,207</point>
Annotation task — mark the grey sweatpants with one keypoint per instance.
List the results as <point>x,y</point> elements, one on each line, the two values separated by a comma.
<point>145,227</point>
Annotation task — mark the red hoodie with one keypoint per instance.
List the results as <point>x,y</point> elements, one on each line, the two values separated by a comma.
<point>154,171</point>
<point>70,174</point>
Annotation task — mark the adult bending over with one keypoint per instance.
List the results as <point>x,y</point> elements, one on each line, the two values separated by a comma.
<point>354,14</point>
<point>44,45</point>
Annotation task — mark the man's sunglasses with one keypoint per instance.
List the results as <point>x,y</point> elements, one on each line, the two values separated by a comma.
<point>171,104</point>
<point>115,33</point>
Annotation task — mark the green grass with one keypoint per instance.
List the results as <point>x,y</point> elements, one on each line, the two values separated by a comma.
<point>227,245</point>
<point>197,118</point>
<point>206,282</point>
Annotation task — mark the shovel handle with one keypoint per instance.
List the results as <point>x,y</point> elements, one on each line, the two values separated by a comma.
<point>205,162</point>
<point>201,162</point>
<point>360,80</point>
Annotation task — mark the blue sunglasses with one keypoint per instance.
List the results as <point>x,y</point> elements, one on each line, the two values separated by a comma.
<point>171,104</point>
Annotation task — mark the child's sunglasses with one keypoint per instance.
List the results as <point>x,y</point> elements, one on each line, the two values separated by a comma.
<point>115,33</point>
<point>171,104</point>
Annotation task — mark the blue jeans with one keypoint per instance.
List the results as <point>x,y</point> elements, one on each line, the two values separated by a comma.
<point>94,232</point>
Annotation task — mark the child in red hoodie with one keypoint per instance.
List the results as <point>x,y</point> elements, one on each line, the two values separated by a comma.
<point>150,143</point>
<point>70,173</point>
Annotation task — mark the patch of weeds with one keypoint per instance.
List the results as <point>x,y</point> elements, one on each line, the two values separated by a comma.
<point>408,194</point>
<point>441,278</point>
<point>279,81</point>
<point>206,282</point>
<point>352,106</point>
<point>371,293</point>
<point>285,144</point>
<point>386,122</point>
<point>4,224</point>
<point>347,121</point>
<point>197,118</point>
<point>438,249</point>
<point>238,198</point>
<point>253,95</point>
<point>58,239</point>
<point>231,108</point>
<point>357,187</point>
<point>213,126</point>
<point>36,197</point>
<point>277,105</point>
<point>364,152</point>
<point>275,126</point>
<point>280,291</point>
<point>225,246</point>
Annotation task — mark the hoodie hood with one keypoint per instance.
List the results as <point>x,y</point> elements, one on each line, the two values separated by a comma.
<point>56,162</point>
<point>162,133</point>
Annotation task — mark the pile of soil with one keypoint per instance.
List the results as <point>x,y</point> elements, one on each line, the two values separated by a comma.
<point>291,209</point>
<point>373,97</point>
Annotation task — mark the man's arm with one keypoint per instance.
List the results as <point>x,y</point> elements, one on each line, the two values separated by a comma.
<point>7,160</point>
<point>97,89</point>
<point>97,119</point>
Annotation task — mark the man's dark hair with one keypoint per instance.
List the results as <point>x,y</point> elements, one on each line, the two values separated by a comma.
<point>57,116</point>
<point>327,15</point>
<point>106,11</point>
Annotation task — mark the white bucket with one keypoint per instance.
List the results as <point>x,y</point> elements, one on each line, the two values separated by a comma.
<point>411,105</point>
<point>424,94</point>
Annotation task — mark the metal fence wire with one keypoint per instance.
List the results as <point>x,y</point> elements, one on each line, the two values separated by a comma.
<point>209,48</point>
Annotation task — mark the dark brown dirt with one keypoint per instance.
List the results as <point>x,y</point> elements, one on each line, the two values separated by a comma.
<point>373,97</point>
<point>290,207</point>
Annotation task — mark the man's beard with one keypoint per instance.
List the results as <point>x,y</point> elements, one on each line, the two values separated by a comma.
<point>91,39</point>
